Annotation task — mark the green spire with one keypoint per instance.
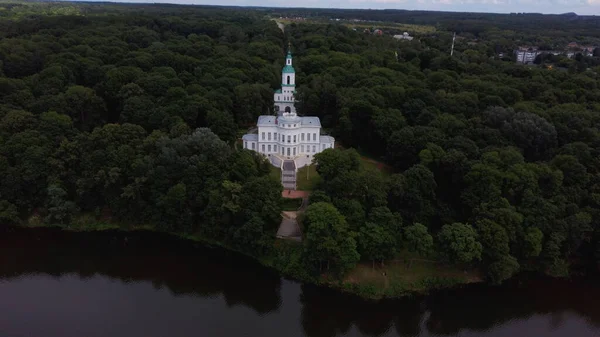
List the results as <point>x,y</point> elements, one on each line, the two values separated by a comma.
<point>288,68</point>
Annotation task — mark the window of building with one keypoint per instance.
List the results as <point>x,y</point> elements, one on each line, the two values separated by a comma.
<point>253,146</point>
<point>269,148</point>
<point>294,125</point>
<point>302,136</point>
<point>269,136</point>
<point>275,136</point>
<point>274,148</point>
<point>263,148</point>
<point>263,136</point>
<point>314,137</point>
<point>294,151</point>
<point>301,148</point>
<point>288,79</point>
<point>294,138</point>
<point>282,149</point>
<point>245,145</point>
<point>288,151</point>
<point>289,139</point>
<point>314,148</point>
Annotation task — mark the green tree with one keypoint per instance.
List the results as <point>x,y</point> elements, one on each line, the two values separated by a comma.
<point>327,239</point>
<point>418,239</point>
<point>458,243</point>
<point>493,239</point>
<point>85,108</point>
<point>60,209</point>
<point>532,242</point>
<point>503,269</point>
<point>9,214</point>
<point>375,243</point>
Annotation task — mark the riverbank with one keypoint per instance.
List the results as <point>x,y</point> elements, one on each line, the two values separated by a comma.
<point>401,277</point>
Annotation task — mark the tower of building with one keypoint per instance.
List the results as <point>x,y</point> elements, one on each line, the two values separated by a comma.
<point>284,98</point>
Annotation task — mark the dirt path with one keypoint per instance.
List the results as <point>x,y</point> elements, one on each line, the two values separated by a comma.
<point>289,227</point>
<point>294,194</point>
<point>281,26</point>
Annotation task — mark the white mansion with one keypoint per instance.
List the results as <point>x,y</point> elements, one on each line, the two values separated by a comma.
<point>287,136</point>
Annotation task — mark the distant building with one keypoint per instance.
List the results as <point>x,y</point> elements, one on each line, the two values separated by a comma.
<point>404,36</point>
<point>526,56</point>
<point>588,51</point>
<point>288,137</point>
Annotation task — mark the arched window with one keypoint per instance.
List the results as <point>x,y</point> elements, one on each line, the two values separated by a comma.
<point>288,79</point>
<point>288,109</point>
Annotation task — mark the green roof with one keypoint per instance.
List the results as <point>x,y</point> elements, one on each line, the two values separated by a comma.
<point>288,69</point>
<point>278,91</point>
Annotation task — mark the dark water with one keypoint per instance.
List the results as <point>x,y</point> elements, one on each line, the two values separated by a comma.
<point>57,284</point>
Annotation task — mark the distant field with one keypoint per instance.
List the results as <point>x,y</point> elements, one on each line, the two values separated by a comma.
<point>410,28</point>
<point>419,29</point>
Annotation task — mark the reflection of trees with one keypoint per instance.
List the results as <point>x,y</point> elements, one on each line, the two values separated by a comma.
<point>482,307</point>
<point>180,266</point>
<point>327,313</point>
<point>187,268</point>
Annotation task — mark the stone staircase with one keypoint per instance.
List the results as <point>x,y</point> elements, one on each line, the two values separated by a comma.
<point>288,175</point>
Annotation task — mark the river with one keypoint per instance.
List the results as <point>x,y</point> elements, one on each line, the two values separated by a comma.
<point>61,284</point>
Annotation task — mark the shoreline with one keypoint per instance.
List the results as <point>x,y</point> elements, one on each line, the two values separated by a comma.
<point>285,266</point>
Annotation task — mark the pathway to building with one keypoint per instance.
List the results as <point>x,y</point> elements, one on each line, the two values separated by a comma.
<point>289,227</point>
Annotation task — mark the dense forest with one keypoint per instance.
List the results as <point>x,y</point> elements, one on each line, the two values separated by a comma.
<point>131,113</point>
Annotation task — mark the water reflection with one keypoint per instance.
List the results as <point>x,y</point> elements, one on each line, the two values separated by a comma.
<point>181,267</point>
<point>170,287</point>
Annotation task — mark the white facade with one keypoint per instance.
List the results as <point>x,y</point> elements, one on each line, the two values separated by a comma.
<point>287,135</point>
<point>526,56</point>
<point>404,36</point>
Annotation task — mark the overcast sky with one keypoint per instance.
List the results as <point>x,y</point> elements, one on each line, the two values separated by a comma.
<point>581,7</point>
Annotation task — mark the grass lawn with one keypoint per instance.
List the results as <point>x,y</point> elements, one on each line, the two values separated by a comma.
<point>402,275</point>
<point>313,180</point>
<point>275,173</point>
<point>291,204</point>
<point>368,163</point>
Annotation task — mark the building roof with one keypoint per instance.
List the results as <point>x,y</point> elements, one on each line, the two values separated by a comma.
<point>250,137</point>
<point>278,91</point>
<point>310,121</point>
<point>266,120</point>
<point>326,139</point>
<point>288,69</point>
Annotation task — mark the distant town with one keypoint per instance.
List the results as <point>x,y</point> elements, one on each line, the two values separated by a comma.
<point>525,54</point>
<point>528,54</point>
